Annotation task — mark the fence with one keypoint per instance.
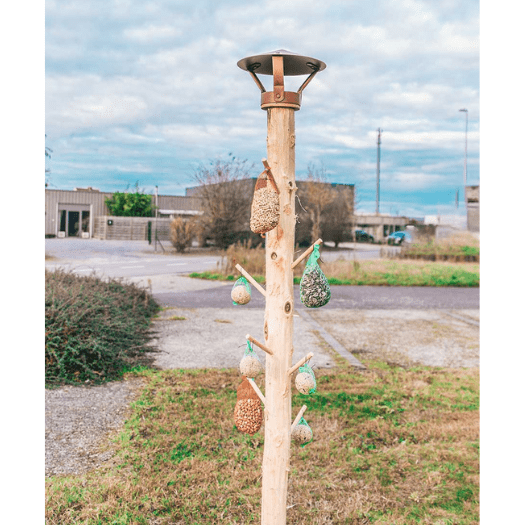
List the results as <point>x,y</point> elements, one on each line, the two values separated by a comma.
<point>130,228</point>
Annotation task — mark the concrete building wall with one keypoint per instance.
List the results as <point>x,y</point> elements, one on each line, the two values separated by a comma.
<point>74,212</point>
<point>60,201</point>
<point>380,226</point>
<point>472,197</point>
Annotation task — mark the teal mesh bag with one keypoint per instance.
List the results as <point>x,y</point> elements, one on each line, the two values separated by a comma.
<point>305,380</point>
<point>250,364</point>
<point>241,291</point>
<point>302,433</point>
<point>314,288</point>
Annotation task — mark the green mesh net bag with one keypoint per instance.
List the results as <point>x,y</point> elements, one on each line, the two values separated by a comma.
<point>241,291</point>
<point>305,380</point>
<point>250,364</point>
<point>302,433</point>
<point>314,288</point>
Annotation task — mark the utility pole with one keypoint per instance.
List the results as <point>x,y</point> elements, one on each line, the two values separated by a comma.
<point>465,162</point>
<point>156,213</point>
<point>377,177</point>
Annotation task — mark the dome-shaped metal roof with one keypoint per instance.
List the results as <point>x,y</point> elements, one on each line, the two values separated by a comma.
<point>293,63</point>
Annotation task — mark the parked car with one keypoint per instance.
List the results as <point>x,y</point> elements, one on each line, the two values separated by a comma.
<point>399,238</point>
<point>362,236</point>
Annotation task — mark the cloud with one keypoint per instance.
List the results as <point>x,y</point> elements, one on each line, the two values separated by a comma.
<point>151,33</point>
<point>158,81</point>
<point>412,181</point>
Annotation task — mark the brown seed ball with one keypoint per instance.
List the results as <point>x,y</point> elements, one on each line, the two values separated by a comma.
<point>250,366</point>
<point>241,295</point>
<point>248,415</point>
<point>304,382</point>
<point>302,434</point>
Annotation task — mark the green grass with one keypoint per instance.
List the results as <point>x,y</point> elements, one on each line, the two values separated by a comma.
<point>391,446</point>
<point>441,251</point>
<point>383,273</point>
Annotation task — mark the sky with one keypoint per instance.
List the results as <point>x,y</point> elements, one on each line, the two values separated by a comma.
<point>148,91</point>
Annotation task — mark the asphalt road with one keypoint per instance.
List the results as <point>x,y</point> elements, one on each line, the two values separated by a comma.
<point>345,297</point>
<point>124,259</point>
<point>138,261</point>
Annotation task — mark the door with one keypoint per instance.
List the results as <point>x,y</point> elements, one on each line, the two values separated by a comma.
<point>73,221</point>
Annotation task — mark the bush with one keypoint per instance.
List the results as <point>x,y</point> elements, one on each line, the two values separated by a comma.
<point>94,328</point>
<point>135,204</point>
<point>252,258</point>
<point>461,247</point>
<point>182,233</point>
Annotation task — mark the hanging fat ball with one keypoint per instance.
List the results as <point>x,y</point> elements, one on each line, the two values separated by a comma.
<point>302,433</point>
<point>305,380</point>
<point>250,364</point>
<point>241,291</point>
<point>305,383</point>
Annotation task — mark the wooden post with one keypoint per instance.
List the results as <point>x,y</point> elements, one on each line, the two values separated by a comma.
<point>278,325</point>
<point>278,315</point>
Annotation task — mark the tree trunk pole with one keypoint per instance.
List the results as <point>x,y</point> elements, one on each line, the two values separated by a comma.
<point>278,319</point>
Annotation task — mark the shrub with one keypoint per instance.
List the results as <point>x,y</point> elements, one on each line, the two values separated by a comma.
<point>252,257</point>
<point>135,204</point>
<point>181,233</point>
<point>94,328</point>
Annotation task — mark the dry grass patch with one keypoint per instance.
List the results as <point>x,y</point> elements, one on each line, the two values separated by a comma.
<point>390,445</point>
<point>383,272</point>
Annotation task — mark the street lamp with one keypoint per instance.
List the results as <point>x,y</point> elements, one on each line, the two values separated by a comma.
<point>465,165</point>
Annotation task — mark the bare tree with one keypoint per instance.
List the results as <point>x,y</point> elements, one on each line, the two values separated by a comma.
<point>225,195</point>
<point>316,194</point>
<point>337,217</point>
<point>48,156</point>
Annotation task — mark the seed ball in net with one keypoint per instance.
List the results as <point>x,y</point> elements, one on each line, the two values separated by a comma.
<point>241,295</point>
<point>304,382</point>
<point>302,434</point>
<point>250,366</point>
<point>314,288</point>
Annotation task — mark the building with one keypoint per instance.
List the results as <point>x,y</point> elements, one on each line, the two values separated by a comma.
<point>380,225</point>
<point>472,201</point>
<point>82,212</point>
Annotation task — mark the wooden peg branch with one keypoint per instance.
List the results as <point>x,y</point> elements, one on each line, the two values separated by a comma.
<point>270,175</point>
<point>260,345</point>
<point>300,363</point>
<point>257,391</point>
<point>306,253</point>
<point>251,279</point>
<point>298,418</point>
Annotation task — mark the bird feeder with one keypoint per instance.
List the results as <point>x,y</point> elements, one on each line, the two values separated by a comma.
<point>279,64</point>
<point>280,106</point>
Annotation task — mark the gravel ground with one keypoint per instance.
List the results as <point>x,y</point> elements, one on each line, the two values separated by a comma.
<point>407,337</point>
<point>215,338</point>
<point>80,420</point>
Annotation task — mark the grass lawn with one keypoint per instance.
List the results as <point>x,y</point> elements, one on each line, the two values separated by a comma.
<point>391,445</point>
<point>381,272</point>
